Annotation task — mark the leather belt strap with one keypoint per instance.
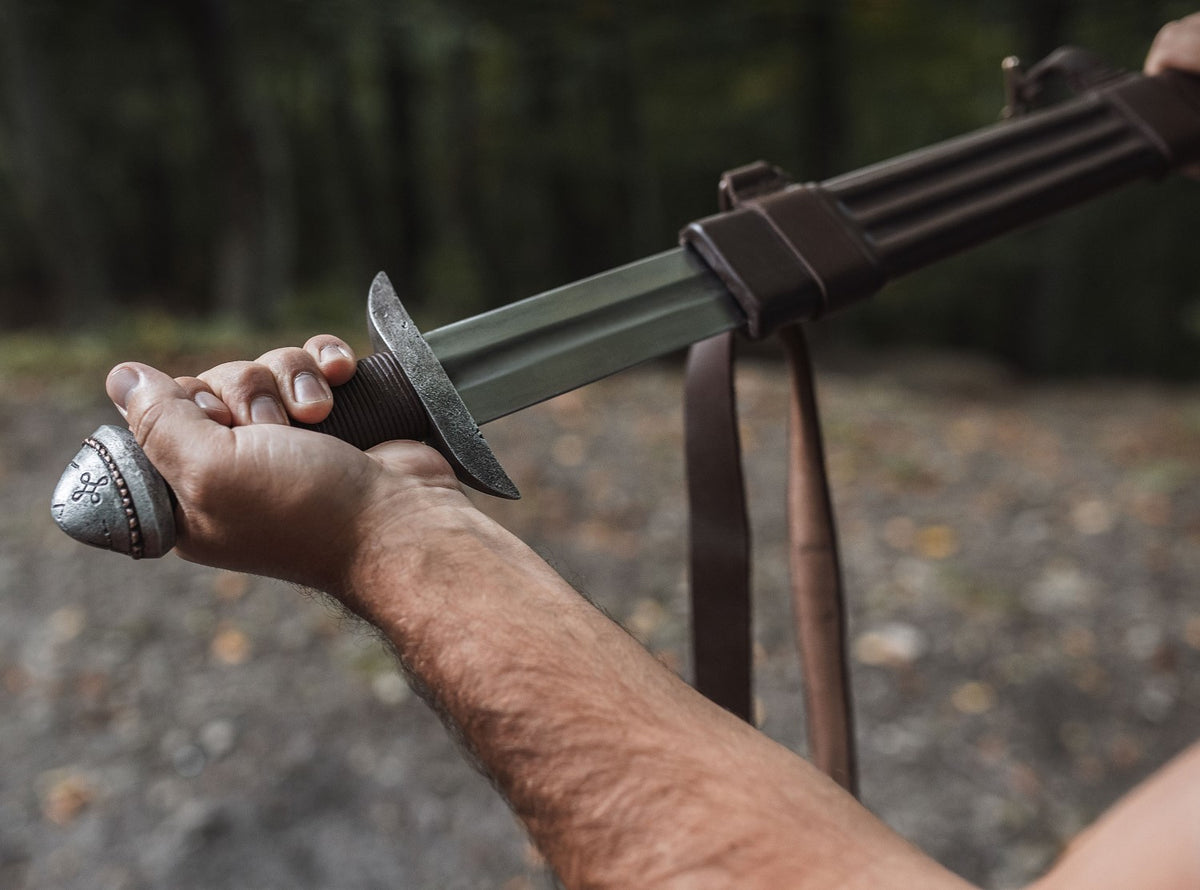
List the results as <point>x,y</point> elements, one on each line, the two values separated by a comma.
<point>817,595</point>
<point>722,640</point>
<point>719,537</point>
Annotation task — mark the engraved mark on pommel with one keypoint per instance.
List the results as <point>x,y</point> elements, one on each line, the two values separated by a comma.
<point>89,488</point>
<point>137,545</point>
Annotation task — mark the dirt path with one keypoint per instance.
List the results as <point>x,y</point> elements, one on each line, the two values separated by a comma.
<point>1022,565</point>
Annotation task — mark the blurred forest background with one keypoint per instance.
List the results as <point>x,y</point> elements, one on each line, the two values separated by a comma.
<point>254,164</point>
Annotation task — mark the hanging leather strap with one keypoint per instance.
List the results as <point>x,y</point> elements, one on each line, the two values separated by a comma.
<point>817,595</point>
<point>719,557</point>
<point>719,534</point>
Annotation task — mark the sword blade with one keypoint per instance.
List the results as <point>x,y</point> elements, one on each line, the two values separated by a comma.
<point>529,351</point>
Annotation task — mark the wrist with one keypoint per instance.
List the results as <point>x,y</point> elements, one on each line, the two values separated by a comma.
<point>408,548</point>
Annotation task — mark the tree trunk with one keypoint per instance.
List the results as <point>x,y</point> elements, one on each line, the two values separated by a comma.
<point>60,214</point>
<point>253,247</point>
<point>821,107</point>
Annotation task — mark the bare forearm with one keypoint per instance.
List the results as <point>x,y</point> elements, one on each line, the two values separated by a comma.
<point>623,775</point>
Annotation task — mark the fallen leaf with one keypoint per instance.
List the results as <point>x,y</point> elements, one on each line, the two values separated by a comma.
<point>937,542</point>
<point>230,586</point>
<point>66,793</point>
<point>230,646</point>
<point>973,698</point>
<point>1092,517</point>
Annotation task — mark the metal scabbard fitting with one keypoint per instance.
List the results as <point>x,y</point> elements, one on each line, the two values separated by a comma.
<point>110,496</point>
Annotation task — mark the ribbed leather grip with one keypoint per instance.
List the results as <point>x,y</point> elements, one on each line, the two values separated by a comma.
<point>378,404</point>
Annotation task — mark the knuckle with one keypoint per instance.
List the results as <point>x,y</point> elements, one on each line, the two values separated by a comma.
<point>286,359</point>
<point>243,378</point>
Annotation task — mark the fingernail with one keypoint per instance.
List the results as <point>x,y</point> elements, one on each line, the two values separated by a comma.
<point>308,388</point>
<point>331,352</point>
<point>264,409</point>
<point>121,383</point>
<point>208,402</point>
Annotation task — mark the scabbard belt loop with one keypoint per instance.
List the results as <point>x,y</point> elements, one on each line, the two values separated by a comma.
<point>719,553</point>
<point>785,251</point>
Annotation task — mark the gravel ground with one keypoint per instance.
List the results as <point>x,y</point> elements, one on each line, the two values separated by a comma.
<point>1021,561</point>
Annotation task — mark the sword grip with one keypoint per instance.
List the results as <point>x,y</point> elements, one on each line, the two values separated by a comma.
<point>377,404</point>
<point>112,497</point>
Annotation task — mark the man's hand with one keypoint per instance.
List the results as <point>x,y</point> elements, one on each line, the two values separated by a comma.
<point>1177,46</point>
<point>257,495</point>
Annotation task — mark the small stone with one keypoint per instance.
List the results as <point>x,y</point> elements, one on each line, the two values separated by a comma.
<point>915,576</point>
<point>1125,752</point>
<point>648,616</point>
<point>893,645</point>
<point>898,742</point>
<point>1078,642</point>
<point>966,435</point>
<point>1152,508</point>
<point>1030,527</point>
<point>899,533</point>
<point>1090,679</point>
<point>1143,640</point>
<point>1076,737</point>
<point>1093,517</point>
<point>67,623</point>
<point>217,738</point>
<point>1060,587</point>
<point>390,688</point>
<point>1157,698</point>
<point>1023,779</point>
<point>189,761</point>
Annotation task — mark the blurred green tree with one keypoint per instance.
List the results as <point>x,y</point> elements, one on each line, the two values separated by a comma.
<point>261,161</point>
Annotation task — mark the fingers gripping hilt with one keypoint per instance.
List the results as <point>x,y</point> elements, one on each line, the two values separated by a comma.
<point>376,405</point>
<point>111,495</point>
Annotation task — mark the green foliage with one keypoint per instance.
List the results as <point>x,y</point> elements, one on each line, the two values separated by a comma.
<point>74,364</point>
<point>260,162</point>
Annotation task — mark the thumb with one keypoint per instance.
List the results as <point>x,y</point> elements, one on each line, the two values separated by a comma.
<point>160,414</point>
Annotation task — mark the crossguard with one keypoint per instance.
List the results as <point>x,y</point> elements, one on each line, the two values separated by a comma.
<point>111,496</point>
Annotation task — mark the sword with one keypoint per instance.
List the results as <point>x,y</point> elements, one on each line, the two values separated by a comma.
<point>785,254</point>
